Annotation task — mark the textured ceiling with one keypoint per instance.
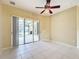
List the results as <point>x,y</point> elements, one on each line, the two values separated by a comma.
<point>31,4</point>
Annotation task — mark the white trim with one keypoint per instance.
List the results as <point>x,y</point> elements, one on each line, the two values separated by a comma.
<point>1,31</point>
<point>3,49</point>
<point>61,43</point>
<point>12,31</point>
<point>7,48</point>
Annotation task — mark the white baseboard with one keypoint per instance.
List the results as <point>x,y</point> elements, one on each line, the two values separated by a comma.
<point>3,49</point>
<point>61,43</point>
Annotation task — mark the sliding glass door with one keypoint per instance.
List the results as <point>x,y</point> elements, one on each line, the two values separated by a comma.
<point>25,31</point>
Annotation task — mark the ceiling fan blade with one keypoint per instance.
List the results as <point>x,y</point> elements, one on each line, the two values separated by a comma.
<point>58,6</point>
<point>50,12</point>
<point>42,11</point>
<point>48,1</point>
<point>40,7</point>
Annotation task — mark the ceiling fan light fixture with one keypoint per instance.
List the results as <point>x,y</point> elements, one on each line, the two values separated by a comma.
<point>49,7</point>
<point>12,2</point>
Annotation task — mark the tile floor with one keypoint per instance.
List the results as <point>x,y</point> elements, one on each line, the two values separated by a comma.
<point>41,50</point>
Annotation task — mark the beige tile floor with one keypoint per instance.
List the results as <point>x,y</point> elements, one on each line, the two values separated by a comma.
<point>41,50</point>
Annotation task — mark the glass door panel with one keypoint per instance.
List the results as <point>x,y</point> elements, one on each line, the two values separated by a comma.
<point>28,31</point>
<point>36,30</point>
<point>21,31</point>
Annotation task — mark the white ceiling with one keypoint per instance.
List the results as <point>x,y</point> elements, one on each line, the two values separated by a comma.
<point>31,4</point>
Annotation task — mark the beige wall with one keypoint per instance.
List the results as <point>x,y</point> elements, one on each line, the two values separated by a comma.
<point>77,26</point>
<point>9,11</point>
<point>0,26</point>
<point>63,27</point>
<point>45,28</point>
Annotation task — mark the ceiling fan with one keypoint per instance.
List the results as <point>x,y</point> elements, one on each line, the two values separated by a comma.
<point>47,6</point>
